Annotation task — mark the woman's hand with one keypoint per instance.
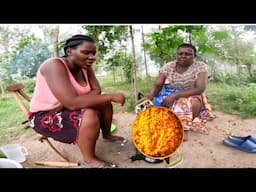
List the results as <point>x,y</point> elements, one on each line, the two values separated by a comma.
<point>169,100</point>
<point>118,98</point>
<point>149,96</point>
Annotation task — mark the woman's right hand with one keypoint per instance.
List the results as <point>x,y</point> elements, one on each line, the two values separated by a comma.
<point>118,98</point>
<point>57,106</point>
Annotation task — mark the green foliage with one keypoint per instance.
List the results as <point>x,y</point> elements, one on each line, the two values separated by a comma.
<point>242,99</point>
<point>120,59</point>
<point>220,35</point>
<point>230,47</point>
<point>252,78</point>
<point>106,37</point>
<point>162,45</point>
<point>8,41</point>
<point>5,71</point>
<point>130,103</point>
<point>29,86</point>
<point>231,79</point>
<point>24,41</point>
<point>239,100</point>
<point>26,61</point>
<point>2,155</point>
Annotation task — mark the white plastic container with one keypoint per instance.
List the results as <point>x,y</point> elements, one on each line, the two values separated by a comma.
<point>15,152</point>
<point>8,163</point>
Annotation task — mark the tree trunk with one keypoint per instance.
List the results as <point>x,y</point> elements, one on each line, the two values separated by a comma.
<point>114,75</point>
<point>249,68</point>
<point>161,52</point>
<point>144,52</point>
<point>2,90</point>
<point>134,70</point>
<point>237,51</point>
<point>56,41</point>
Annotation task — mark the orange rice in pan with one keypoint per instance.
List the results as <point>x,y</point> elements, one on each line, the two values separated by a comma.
<point>157,132</point>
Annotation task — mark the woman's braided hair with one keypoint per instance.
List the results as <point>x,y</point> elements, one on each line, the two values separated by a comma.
<point>76,40</point>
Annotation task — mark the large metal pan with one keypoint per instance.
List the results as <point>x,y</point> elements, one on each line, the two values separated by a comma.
<point>157,133</point>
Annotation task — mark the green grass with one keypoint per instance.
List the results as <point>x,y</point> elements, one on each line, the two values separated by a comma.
<point>11,117</point>
<point>236,100</point>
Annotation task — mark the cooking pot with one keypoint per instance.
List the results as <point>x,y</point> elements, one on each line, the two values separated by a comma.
<point>157,132</point>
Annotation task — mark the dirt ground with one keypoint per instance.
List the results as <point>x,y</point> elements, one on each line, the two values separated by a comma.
<point>199,151</point>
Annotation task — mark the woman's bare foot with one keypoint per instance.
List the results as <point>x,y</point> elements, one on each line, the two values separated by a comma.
<point>114,138</point>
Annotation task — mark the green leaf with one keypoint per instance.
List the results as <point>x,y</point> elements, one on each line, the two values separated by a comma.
<point>2,155</point>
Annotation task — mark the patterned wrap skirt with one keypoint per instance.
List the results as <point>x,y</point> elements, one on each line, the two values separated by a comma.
<point>182,107</point>
<point>62,126</point>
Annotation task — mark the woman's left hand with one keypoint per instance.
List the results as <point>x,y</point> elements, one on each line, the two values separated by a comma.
<point>169,100</point>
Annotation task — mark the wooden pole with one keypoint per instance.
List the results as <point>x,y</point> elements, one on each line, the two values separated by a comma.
<point>18,99</point>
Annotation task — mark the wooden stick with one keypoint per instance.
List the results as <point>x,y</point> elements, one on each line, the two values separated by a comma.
<point>53,147</point>
<point>57,163</point>
<point>24,95</point>
<point>18,99</point>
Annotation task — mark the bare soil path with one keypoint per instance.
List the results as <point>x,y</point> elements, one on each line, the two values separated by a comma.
<point>199,151</point>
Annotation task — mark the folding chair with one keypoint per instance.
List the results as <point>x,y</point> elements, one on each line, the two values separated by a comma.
<point>18,93</point>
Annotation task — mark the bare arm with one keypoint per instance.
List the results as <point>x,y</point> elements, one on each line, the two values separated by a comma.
<point>95,86</point>
<point>157,86</point>
<point>57,79</point>
<point>200,86</point>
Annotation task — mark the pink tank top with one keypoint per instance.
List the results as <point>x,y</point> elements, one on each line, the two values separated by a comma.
<point>44,100</point>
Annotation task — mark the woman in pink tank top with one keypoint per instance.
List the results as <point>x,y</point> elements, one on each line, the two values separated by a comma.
<point>67,103</point>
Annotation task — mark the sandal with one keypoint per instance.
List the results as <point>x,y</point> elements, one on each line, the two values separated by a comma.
<point>245,145</point>
<point>240,138</point>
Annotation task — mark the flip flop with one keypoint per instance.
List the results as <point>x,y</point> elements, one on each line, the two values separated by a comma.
<point>239,138</point>
<point>243,145</point>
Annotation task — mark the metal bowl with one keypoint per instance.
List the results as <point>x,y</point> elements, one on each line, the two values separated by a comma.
<point>8,163</point>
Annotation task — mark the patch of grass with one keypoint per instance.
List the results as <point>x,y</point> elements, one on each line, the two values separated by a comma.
<point>11,117</point>
<point>10,112</point>
<point>233,99</point>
